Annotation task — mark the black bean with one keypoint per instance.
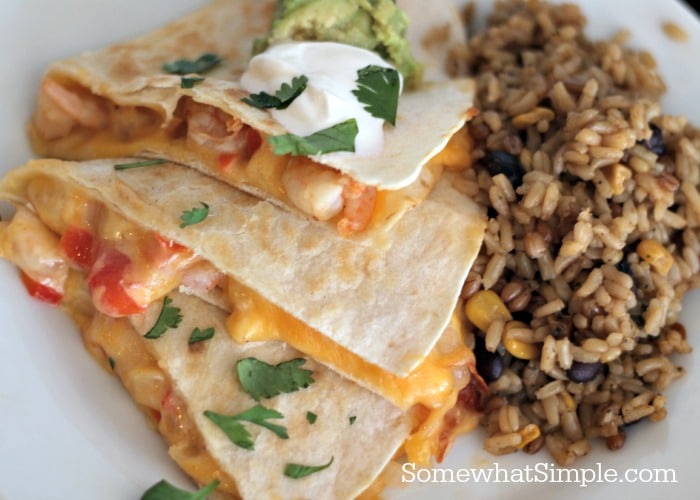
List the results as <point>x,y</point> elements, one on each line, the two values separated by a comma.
<point>655,143</point>
<point>583,372</point>
<point>624,267</point>
<point>488,364</point>
<point>502,162</point>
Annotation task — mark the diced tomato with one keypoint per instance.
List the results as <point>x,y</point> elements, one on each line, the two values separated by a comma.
<point>225,160</point>
<point>159,251</point>
<point>79,246</point>
<point>171,403</point>
<point>253,141</point>
<point>41,292</point>
<point>169,244</point>
<point>106,283</point>
<point>155,415</point>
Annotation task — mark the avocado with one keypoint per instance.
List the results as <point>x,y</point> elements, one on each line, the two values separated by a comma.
<point>377,25</point>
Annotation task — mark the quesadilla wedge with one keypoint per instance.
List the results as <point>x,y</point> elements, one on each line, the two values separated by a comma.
<point>382,317</point>
<point>121,101</point>
<point>218,428</point>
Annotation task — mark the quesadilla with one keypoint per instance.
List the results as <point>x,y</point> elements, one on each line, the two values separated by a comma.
<point>218,428</point>
<point>382,317</point>
<point>121,101</point>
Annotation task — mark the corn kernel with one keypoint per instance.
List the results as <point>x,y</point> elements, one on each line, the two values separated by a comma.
<point>617,175</point>
<point>485,306</point>
<point>520,349</point>
<point>656,255</point>
<point>528,434</point>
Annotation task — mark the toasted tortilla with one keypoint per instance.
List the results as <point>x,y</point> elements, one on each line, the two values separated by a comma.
<point>387,304</point>
<point>205,379</point>
<point>200,377</point>
<point>130,74</point>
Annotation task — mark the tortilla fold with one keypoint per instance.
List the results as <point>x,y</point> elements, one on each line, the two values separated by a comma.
<point>142,111</point>
<point>175,382</point>
<point>388,305</point>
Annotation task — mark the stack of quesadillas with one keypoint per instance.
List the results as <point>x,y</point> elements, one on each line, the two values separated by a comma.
<point>279,355</point>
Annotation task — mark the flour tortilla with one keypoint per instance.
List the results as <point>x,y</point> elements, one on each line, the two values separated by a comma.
<point>130,74</point>
<point>387,304</point>
<point>206,380</point>
<point>203,377</point>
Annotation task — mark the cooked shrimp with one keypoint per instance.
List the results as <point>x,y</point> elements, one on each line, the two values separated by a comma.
<point>324,193</point>
<point>358,206</point>
<point>59,110</point>
<point>214,129</point>
<point>33,247</point>
<point>315,190</point>
<point>203,277</point>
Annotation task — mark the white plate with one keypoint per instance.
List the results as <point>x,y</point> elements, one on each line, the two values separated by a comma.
<point>68,429</point>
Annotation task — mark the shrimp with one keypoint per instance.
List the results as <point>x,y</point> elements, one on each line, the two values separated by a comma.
<point>33,247</point>
<point>359,200</point>
<point>316,191</point>
<point>214,129</point>
<point>59,110</point>
<point>324,193</point>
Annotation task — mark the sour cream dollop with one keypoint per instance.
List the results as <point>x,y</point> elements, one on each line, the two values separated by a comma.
<point>331,69</point>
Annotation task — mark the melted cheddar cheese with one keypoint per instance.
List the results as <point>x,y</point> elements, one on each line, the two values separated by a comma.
<point>254,168</point>
<point>434,385</point>
<point>430,392</point>
<point>114,342</point>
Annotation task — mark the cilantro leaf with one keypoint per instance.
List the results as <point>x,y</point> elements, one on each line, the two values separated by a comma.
<point>297,471</point>
<point>282,98</point>
<point>198,335</point>
<point>163,490</point>
<point>311,417</point>
<point>378,87</point>
<point>259,415</point>
<point>262,380</point>
<point>111,362</point>
<point>203,63</point>
<point>169,317</point>
<point>188,82</point>
<point>352,419</point>
<point>234,429</point>
<point>137,164</point>
<point>194,216</point>
<point>239,435</point>
<point>340,137</point>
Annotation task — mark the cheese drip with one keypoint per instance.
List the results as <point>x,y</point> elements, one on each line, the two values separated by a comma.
<point>430,384</point>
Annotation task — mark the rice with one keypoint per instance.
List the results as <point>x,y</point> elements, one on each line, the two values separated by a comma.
<point>593,233</point>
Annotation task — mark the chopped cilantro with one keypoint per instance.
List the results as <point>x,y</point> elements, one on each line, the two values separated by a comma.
<point>297,471</point>
<point>111,362</point>
<point>262,380</point>
<point>311,417</point>
<point>282,98</point>
<point>194,216</point>
<point>163,490</point>
<point>340,137</point>
<point>188,82</point>
<point>239,435</point>
<point>137,164</point>
<point>200,335</point>
<point>169,317</point>
<point>378,87</point>
<point>202,64</point>
<point>352,419</point>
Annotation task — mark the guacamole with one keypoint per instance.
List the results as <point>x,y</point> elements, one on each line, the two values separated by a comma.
<point>377,25</point>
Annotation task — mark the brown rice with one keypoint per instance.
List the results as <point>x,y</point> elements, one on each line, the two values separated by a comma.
<point>593,234</point>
